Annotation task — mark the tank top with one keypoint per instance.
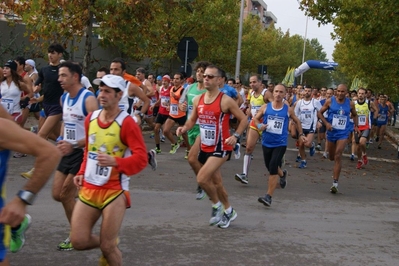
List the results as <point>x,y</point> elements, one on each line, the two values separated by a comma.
<point>174,110</point>
<point>339,115</point>
<point>214,125</point>
<point>256,101</point>
<point>382,118</point>
<point>192,92</point>
<point>10,97</point>
<point>363,115</point>
<point>73,115</point>
<point>106,140</point>
<point>165,100</point>
<point>276,133</point>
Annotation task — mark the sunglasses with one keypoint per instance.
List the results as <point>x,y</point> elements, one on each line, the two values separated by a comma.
<point>209,76</point>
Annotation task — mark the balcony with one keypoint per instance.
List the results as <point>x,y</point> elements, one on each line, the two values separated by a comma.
<point>259,3</point>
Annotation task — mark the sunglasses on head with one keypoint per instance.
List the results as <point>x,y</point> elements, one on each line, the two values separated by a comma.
<point>209,76</point>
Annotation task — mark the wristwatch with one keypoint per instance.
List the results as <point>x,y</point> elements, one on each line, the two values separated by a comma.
<point>141,115</point>
<point>238,136</point>
<point>75,144</point>
<point>26,196</point>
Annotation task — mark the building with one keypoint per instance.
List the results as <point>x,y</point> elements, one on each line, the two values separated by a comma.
<point>259,8</point>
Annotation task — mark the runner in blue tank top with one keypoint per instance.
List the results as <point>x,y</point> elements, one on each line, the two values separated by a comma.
<point>275,116</point>
<point>338,127</point>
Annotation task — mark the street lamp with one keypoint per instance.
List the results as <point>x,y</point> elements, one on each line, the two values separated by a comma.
<point>304,45</point>
<point>238,58</point>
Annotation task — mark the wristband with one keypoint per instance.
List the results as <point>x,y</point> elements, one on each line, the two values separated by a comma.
<point>301,135</point>
<point>59,138</point>
<point>259,126</point>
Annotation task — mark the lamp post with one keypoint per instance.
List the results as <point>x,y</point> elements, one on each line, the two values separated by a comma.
<point>304,45</point>
<point>238,58</point>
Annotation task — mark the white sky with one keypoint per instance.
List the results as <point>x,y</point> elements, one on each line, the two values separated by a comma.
<point>290,17</point>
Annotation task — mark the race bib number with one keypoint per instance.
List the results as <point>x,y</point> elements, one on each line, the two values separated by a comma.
<point>382,118</point>
<point>8,104</point>
<point>70,131</point>
<point>208,135</point>
<point>339,122</point>
<point>362,120</point>
<point>275,124</point>
<point>95,174</point>
<point>164,101</point>
<point>174,109</point>
<point>254,110</point>
<point>306,116</point>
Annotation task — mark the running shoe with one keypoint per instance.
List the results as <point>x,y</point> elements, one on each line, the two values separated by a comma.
<point>359,164</point>
<point>174,148</point>
<point>152,160</point>
<point>162,138</point>
<point>334,188</point>
<point>365,160</point>
<point>152,135</point>
<point>34,129</point>
<point>352,157</point>
<point>65,245</point>
<point>186,156</point>
<point>200,193</point>
<point>312,149</point>
<point>371,141</point>
<point>318,147</point>
<point>243,178</point>
<point>28,174</point>
<point>303,164</point>
<point>227,219</point>
<point>19,155</point>
<point>158,151</point>
<point>325,155</point>
<point>217,214</point>
<point>18,235</point>
<point>298,159</point>
<point>103,261</point>
<point>180,139</point>
<point>237,152</point>
<point>283,179</point>
<point>266,200</point>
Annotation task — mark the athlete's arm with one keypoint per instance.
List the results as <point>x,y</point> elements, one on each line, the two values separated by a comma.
<point>354,116</point>
<point>5,114</point>
<point>26,86</point>
<point>258,117</point>
<point>268,97</point>
<point>13,137</point>
<point>298,124</point>
<point>150,90</point>
<point>134,90</point>
<point>190,120</point>
<point>230,106</point>
<point>322,110</point>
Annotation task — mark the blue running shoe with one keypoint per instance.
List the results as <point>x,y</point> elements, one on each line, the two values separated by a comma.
<point>298,159</point>
<point>303,164</point>
<point>312,150</point>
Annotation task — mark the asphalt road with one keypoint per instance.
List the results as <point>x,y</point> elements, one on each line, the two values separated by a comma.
<point>306,225</point>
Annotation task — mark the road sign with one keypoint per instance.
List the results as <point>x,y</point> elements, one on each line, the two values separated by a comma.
<point>187,50</point>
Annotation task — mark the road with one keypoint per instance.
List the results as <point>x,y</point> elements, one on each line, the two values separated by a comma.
<point>306,225</point>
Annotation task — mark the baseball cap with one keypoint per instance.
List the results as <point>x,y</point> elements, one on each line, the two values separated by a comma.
<point>30,62</point>
<point>159,78</point>
<point>166,77</point>
<point>11,64</point>
<point>115,82</point>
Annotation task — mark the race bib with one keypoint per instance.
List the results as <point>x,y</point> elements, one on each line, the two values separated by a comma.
<point>254,110</point>
<point>164,101</point>
<point>275,124</point>
<point>174,109</point>
<point>95,174</point>
<point>8,104</point>
<point>382,118</point>
<point>339,122</point>
<point>306,116</point>
<point>70,131</point>
<point>208,135</point>
<point>362,120</point>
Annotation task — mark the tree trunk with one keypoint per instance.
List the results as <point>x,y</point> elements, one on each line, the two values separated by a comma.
<point>88,42</point>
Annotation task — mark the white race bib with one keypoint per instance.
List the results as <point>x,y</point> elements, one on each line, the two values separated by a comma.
<point>8,104</point>
<point>339,122</point>
<point>70,131</point>
<point>95,174</point>
<point>174,109</point>
<point>165,101</point>
<point>275,124</point>
<point>362,120</point>
<point>382,118</point>
<point>208,135</point>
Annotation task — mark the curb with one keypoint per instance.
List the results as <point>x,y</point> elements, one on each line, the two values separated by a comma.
<point>393,136</point>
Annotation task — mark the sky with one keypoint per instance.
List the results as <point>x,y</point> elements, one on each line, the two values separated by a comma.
<point>290,17</point>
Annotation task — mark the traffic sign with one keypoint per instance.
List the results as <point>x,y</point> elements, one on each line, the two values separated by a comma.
<point>187,49</point>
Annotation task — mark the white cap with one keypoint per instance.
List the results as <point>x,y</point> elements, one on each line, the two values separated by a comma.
<point>30,62</point>
<point>112,81</point>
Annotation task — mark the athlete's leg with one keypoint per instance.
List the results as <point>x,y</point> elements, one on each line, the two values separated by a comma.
<point>193,155</point>
<point>169,123</point>
<point>339,148</point>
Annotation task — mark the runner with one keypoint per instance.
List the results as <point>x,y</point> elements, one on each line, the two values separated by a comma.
<point>76,104</point>
<point>339,109</point>
<point>273,119</point>
<point>114,150</point>
<point>382,118</point>
<point>212,110</point>
<point>257,98</point>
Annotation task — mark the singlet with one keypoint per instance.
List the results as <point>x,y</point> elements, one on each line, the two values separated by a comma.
<point>363,114</point>
<point>174,110</point>
<point>277,120</point>
<point>73,115</point>
<point>307,113</point>
<point>105,140</point>
<point>10,97</point>
<point>214,125</point>
<point>164,94</point>
<point>51,88</point>
<point>339,115</point>
<point>256,101</point>
<point>382,118</point>
<point>192,92</point>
